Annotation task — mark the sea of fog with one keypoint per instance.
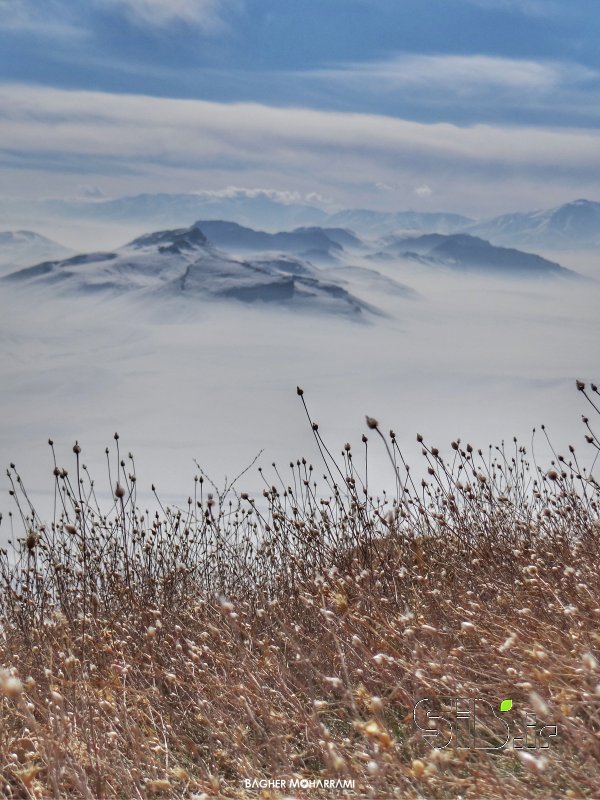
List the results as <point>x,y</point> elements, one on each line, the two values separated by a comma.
<point>474,357</point>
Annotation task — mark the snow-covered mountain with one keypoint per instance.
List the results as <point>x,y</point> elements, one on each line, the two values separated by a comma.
<point>182,263</point>
<point>24,248</point>
<point>381,223</point>
<point>312,243</point>
<point>572,226</point>
<point>253,209</point>
<point>259,210</point>
<point>464,252</point>
<point>342,236</point>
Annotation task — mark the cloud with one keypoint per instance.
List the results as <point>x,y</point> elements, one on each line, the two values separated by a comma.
<point>338,154</point>
<point>423,191</point>
<point>59,18</point>
<point>207,14</point>
<point>90,192</point>
<point>285,197</point>
<point>51,19</point>
<point>536,8</point>
<point>460,73</point>
<point>84,123</point>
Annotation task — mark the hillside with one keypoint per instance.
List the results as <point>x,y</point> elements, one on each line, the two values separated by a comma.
<point>184,264</point>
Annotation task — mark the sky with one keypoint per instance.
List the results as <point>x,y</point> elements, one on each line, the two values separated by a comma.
<point>478,107</point>
<point>474,106</point>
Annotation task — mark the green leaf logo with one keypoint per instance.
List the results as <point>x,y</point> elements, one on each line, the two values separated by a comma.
<point>506,705</point>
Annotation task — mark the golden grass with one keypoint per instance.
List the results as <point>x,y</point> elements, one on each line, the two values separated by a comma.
<point>178,655</point>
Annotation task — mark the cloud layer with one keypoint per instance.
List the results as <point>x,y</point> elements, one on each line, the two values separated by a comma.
<point>207,14</point>
<point>82,131</point>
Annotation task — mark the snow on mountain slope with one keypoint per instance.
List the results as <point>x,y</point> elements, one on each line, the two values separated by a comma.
<point>342,236</point>
<point>23,248</point>
<point>381,223</point>
<point>182,263</point>
<point>470,253</point>
<point>307,242</point>
<point>573,226</point>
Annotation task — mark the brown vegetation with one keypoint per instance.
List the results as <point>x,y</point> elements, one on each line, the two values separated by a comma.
<point>178,654</point>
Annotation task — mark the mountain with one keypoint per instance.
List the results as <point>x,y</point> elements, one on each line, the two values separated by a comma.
<point>182,263</point>
<point>342,236</point>
<point>464,252</point>
<point>259,209</point>
<point>571,226</point>
<point>23,248</point>
<point>305,242</point>
<point>381,223</point>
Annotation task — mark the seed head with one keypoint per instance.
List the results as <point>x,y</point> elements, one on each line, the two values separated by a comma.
<point>418,768</point>
<point>32,540</point>
<point>532,763</point>
<point>538,704</point>
<point>372,423</point>
<point>9,685</point>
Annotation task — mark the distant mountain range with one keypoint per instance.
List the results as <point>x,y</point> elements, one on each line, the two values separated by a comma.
<point>24,248</point>
<point>183,263</point>
<point>575,225</point>
<point>380,223</point>
<point>224,260</point>
<point>463,252</point>
<point>255,210</point>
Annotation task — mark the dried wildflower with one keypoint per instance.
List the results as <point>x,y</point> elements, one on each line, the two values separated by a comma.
<point>376,705</point>
<point>538,704</point>
<point>372,423</point>
<point>532,763</point>
<point>418,768</point>
<point>589,661</point>
<point>32,540</point>
<point>508,643</point>
<point>10,686</point>
<point>428,629</point>
<point>158,786</point>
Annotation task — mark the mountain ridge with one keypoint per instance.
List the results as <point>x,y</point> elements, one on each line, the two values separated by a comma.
<point>465,252</point>
<point>184,263</point>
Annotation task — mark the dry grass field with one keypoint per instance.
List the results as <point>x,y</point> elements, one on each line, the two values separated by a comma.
<point>286,637</point>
